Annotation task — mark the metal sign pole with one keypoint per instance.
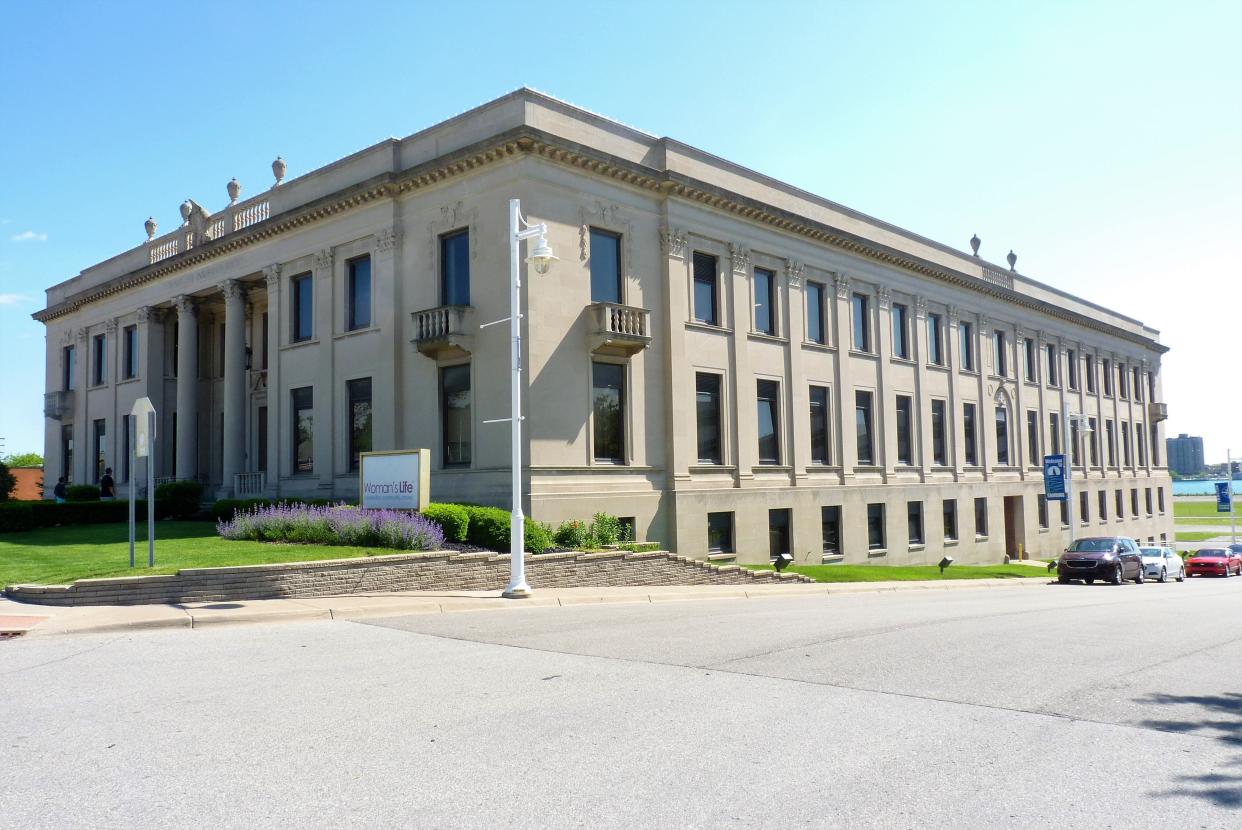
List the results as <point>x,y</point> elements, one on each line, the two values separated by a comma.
<point>1233,517</point>
<point>133,482</point>
<point>151,489</point>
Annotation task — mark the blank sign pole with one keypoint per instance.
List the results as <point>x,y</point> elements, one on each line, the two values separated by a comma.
<point>151,489</point>
<point>133,481</point>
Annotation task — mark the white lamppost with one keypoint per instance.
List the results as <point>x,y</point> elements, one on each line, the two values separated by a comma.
<point>541,258</point>
<point>1084,428</point>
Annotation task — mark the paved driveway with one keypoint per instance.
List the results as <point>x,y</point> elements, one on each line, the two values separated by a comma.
<point>1063,706</point>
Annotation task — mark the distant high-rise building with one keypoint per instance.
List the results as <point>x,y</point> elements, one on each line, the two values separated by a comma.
<point>1185,453</point>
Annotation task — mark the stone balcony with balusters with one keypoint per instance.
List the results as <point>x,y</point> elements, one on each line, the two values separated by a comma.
<point>618,329</point>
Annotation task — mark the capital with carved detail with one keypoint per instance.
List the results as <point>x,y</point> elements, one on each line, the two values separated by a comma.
<point>110,327</point>
<point>232,290</point>
<point>271,275</point>
<point>955,316</point>
<point>920,308</point>
<point>842,283</point>
<point>984,323</point>
<point>1019,334</point>
<point>385,240</point>
<point>740,257</point>
<point>323,260</point>
<point>674,242</point>
<point>185,305</point>
<point>793,272</point>
<point>83,333</point>
<point>146,314</point>
<point>884,297</point>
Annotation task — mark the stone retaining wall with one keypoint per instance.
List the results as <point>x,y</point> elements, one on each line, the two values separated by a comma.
<point>439,571</point>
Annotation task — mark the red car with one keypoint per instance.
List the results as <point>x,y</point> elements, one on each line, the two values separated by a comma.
<point>1214,562</point>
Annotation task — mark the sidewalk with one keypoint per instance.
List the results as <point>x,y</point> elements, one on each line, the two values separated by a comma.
<point>38,620</point>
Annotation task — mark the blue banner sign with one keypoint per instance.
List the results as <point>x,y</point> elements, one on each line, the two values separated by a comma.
<point>1055,475</point>
<point>1223,504</point>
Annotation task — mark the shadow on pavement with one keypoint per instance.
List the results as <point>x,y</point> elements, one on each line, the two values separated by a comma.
<point>1224,724</point>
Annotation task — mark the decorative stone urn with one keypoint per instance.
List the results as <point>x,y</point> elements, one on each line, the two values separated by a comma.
<point>974,244</point>
<point>150,225</point>
<point>1013,258</point>
<point>278,170</point>
<point>234,188</point>
<point>186,207</point>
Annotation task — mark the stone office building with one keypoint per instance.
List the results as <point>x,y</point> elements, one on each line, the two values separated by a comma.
<point>1185,455</point>
<point>735,365</point>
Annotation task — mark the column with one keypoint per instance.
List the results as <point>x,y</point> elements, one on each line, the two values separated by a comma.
<point>952,353</point>
<point>737,287</point>
<point>799,395</point>
<point>234,384</point>
<point>887,443</point>
<point>846,432</point>
<point>386,284</point>
<point>83,360</point>
<point>986,428</point>
<point>151,370</point>
<point>1018,414</point>
<point>325,377</point>
<point>187,388</point>
<point>275,394</point>
<point>922,403</point>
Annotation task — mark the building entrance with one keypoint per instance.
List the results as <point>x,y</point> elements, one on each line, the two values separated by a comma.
<point>1015,531</point>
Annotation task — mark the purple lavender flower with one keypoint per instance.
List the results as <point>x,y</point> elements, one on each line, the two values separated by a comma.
<point>337,524</point>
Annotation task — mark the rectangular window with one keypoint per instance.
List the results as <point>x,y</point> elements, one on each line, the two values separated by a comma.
<point>1151,386</point>
<point>1028,351</point>
<point>66,451</point>
<point>1120,503</point>
<point>830,528</point>
<point>905,443</point>
<point>1160,499</point>
<point>605,266</point>
<point>261,440</point>
<point>1032,438</point>
<point>1155,446</point>
<point>705,305</point>
<point>455,268</point>
<point>720,532</point>
<point>358,301</point>
<point>935,340</point>
<point>303,308</point>
<point>1148,500</point>
<point>130,364</point>
<point>820,452</point>
<point>1054,432</point>
<point>981,517</point>
<point>358,393</point>
<point>875,527</point>
<point>99,434</point>
<point>1107,374</point>
<point>456,415</point>
<point>862,423</point>
<point>608,395</point>
<point>101,359</point>
<point>969,434</point>
<point>1053,377</point>
<point>901,332</point>
<point>967,336</point>
<point>1071,369</point>
<point>815,313</point>
<point>765,301</point>
<point>999,354</point>
<point>1122,391</point>
<point>1084,507</point>
<point>1112,442</point>
<point>1090,372</point>
<point>914,522</point>
<point>1002,436</point>
<point>1075,446</point>
<point>778,532</point>
<point>263,352</point>
<point>1094,441</point>
<point>303,414</point>
<point>767,394</point>
<point>1140,440</point>
<point>1102,505</point>
<point>67,357</point>
<point>1138,384</point>
<point>1125,443</point>
<point>707,412</point>
<point>940,455</point>
<point>1064,513</point>
<point>949,514</point>
<point>861,307</point>
<point>1041,502</point>
<point>1134,502</point>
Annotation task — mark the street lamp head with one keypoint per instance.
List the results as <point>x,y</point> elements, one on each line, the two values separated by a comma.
<point>542,257</point>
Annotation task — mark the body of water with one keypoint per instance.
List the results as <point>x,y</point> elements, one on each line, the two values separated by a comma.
<point>1202,488</point>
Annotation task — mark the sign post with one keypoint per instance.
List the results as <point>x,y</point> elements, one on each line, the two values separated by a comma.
<point>1233,518</point>
<point>142,442</point>
<point>133,469</point>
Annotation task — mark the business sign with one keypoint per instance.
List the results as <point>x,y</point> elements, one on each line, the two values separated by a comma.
<point>398,480</point>
<point>1223,501</point>
<point>1055,477</point>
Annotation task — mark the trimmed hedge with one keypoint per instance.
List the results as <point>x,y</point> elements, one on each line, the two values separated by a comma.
<point>489,528</point>
<point>453,518</point>
<point>18,516</point>
<point>82,492</point>
<point>179,499</point>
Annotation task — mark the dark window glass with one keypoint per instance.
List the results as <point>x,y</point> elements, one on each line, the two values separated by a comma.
<point>968,346</point>
<point>1075,444</point>
<point>608,395</point>
<point>605,267</point>
<point>1111,438</point>
<point>1054,432</point>
<point>358,305</point>
<point>861,307</point>
<point>303,412</point>
<point>1125,443</point>
<point>1102,505</point>
<point>765,301</point>
<point>949,513</point>
<point>815,312</point>
<point>261,440</point>
<point>1107,374</point>
<point>875,526</point>
<point>969,434</point>
<point>820,453</point>
<point>101,359</point>
<point>1052,365</point>
<point>1160,498</point>
<point>862,423</point>
<point>778,532</point>
<point>100,447</point>
<point>914,522</point>
<point>66,451</point>
<point>705,289</point>
<point>1032,438</point>
<point>905,453</point>
<point>1028,349</point>
<point>767,393</point>
<point>1122,391</point>
<point>1134,502</point>
<point>1071,368</point>
<point>131,352</point>
<point>1090,370</point>
<point>1093,440</point>
<point>303,307</point>
<point>1084,507</point>
<point>263,352</point>
<point>1151,386</point>
<point>1147,495</point>
<point>1140,441</point>
<point>1138,384</point>
<point>981,517</point>
<point>901,330</point>
<point>935,340</point>
<point>68,356</point>
<point>1000,355</point>
<point>1155,446</point>
<point>940,455</point>
<point>1041,502</point>
<point>830,526</point>
<point>359,392</point>
<point>455,268</point>
<point>720,532</point>
<point>1002,436</point>
<point>1119,500</point>
<point>455,415</point>
<point>707,409</point>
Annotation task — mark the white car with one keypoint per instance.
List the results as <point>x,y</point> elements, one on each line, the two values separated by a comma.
<point>1162,564</point>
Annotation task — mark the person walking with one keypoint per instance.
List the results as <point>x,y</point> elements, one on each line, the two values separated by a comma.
<point>107,486</point>
<point>59,490</point>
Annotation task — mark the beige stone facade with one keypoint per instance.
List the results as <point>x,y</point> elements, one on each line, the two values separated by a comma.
<point>722,273</point>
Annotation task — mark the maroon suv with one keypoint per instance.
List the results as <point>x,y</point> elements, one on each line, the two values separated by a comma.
<point>1114,558</point>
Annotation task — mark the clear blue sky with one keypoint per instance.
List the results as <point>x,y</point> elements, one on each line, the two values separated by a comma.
<point>1101,141</point>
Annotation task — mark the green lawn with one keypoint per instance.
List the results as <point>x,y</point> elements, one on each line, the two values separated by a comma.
<point>1204,508</point>
<point>909,573</point>
<point>57,555</point>
<point>1198,535</point>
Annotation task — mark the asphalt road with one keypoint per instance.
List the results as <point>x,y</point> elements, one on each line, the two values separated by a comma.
<point>1055,706</point>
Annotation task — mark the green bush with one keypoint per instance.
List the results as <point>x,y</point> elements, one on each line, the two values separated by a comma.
<point>538,536</point>
<point>489,528</point>
<point>82,492</point>
<point>18,516</point>
<point>7,482</point>
<point>178,499</point>
<point>573,534</point>
<point>605,529</point>
<point>452,518</point>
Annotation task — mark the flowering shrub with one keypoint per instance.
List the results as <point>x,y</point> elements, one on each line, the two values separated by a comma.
<point>333,525</point>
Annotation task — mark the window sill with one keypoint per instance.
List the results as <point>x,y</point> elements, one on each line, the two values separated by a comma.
<point>875,553</point>
<point>818,347</point>
<point>822,468</point>
<point>862,354</point>
<point>950,543</point>
<point>915,547</point>
<point>710,327</point>
<point>868,468</point>
<point>765,337</point>
<point>1044,530</point>
<point>712,468</point>
<point>127,380</point>
<point>1034,384</point>
<point>355,332</point>
<point>771,468</point>
<point>939,367</point>
<point>830,558</point>
<point>298,344</point>
<point>971,372</point>
<point>905,361</point>
<point>982,538</point>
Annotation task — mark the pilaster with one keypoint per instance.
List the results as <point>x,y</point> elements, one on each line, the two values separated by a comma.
<point>275,392</point>
<point>799,394</point>
<point>843,395</point>
<point>922,402</point>
<point>187,388</point>
<point>234,450</point>
<point>325,384</point>
<point>737,289</point>
<point>954,427</point>
<point>885,402</point>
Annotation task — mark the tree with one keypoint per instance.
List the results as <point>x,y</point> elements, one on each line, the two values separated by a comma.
<point>24,459</point>
<point>7,482</point>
